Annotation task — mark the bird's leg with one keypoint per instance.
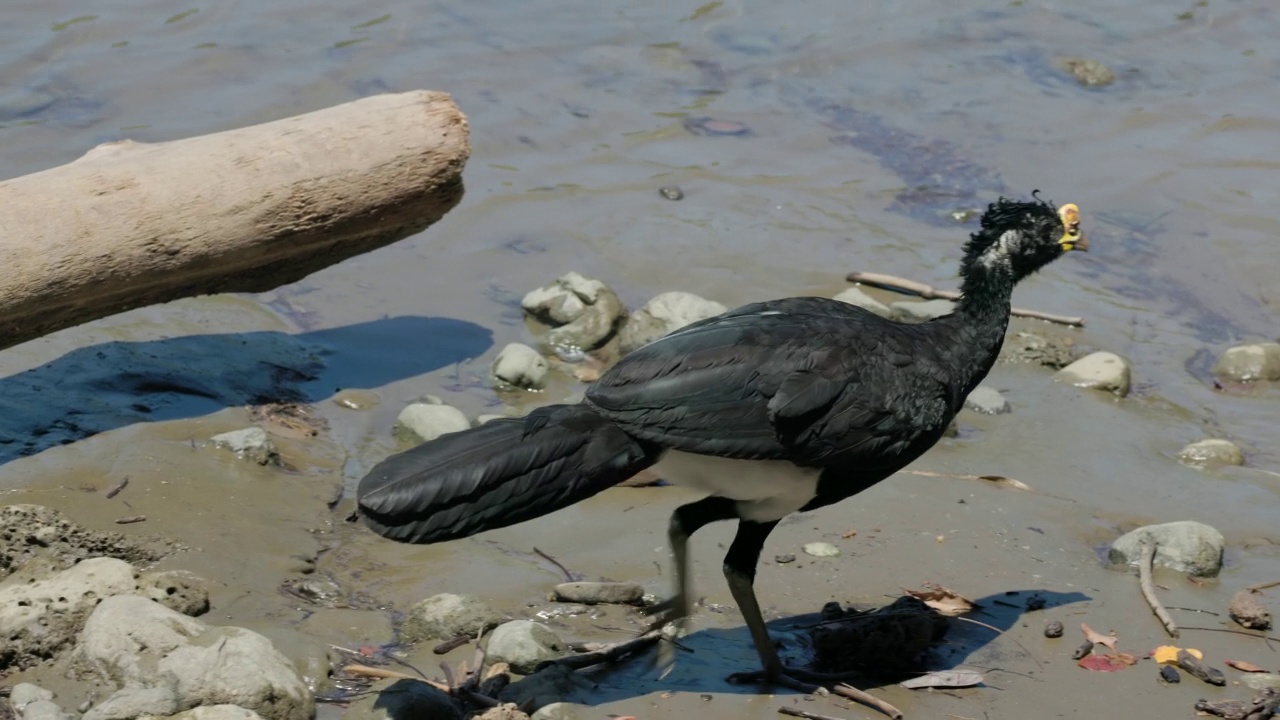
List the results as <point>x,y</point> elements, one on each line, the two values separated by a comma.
<point>685,521</point>
<point>740,572</point>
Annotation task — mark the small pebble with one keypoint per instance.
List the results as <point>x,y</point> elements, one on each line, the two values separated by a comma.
<point>1169,674</point>
<point>671,192</point>
<point>1053,629</point>
<point>821,549</point>
<point>784,559</point>
<point>712,127</point>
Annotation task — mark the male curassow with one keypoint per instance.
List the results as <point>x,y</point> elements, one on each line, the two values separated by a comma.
<point>773,408</point>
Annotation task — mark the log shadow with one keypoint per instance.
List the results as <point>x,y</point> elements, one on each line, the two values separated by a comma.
<point>106,386</point>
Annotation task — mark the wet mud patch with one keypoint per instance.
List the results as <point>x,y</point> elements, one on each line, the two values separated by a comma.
<point>110,385</point>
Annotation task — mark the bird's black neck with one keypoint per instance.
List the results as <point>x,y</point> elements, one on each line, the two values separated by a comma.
<point>978,325</point>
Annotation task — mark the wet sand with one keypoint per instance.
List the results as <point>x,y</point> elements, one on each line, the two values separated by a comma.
<point>576,125</point>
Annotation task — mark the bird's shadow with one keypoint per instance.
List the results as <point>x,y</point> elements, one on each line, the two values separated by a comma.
<point>713,654</point>
<point>110,385</point>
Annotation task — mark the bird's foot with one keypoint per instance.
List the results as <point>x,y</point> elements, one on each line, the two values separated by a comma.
<point>672,610</point>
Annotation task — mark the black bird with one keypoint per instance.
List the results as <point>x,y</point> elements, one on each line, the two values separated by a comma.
<point>773,408</point>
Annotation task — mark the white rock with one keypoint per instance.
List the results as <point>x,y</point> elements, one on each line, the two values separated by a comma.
<point>251,443</point>
<point>521,366</point>
<point>1185,546</point>
<point>565,299</point>
<point>911,311</point>
<point>558,711</point>
<point>665,314</point>
<point>217,712</point>
<point>445,616</point>
<point>38,618</point>
<point>1099,371</point>
<point>134,702</point>
<point>523,644</point>
<point>427,421</point>
<point>1245,363</point>
<point>44,710</point>
<point>855,296</point>
<point>23,694</point>
<point>1211,451</point>
<point>821,549</point>
<point>132,640</point>
<point>986,400</point>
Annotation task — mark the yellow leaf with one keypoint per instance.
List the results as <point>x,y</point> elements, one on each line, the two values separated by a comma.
<point>1168,654</point>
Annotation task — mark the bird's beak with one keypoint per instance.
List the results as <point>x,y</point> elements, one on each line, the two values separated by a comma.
<point>1073,238</point>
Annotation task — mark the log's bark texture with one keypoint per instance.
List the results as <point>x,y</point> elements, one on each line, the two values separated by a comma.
<point>246,210</point>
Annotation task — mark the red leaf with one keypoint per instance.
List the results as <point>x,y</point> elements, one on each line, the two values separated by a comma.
<point>1243,666</point>
<point>1101,663</point>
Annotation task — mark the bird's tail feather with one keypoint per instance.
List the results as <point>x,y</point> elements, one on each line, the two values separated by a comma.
<point>501,473</point>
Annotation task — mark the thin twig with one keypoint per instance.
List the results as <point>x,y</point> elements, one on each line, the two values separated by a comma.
<point>797,712</point>
<point>450,645</point>
<point>1197,610</point>
<point>853,693</point>
<point>119,486</point>
<point>370,671</point>
<point>1234,632</point>
<point>1262,586</point>
<point>608,653</point>
<point>568,576</point>
<point>992,628</point>
<point>1149,592</point>
<point>929,292</point>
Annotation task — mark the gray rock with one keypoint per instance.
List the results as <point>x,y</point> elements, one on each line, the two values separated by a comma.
<point>594,327</point>
<point>44,710</point>
<point>23,694</point>
<point>523,644</point>
<point>1260,681</point>
<point>521,366</point>
<point>31,532</point>
<point>821,549</point>
<point>1098,371</point>
<point>427,421</point>
<point>217,712</point>
<point>554,684</point>
<point>1087,71</point>
<point>916,312</point>
<point>446,616</point>
<point>594,593</point>
<point>855,296</point>
<point>177,590</point>
<point>558,711</point>
<point>1211,452</point>
<point>664,314</point>
<point>38,619</point>
<point>407,700</point>
<point>132,702</point>
<point>1246,363</point>
<point>132,640</point>
<point>251,444</point>
<point>986,400</point>
<point>1185,546</point>
<point>564,300</point>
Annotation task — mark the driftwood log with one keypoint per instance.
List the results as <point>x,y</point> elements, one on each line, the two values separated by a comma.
<point>246,210</point>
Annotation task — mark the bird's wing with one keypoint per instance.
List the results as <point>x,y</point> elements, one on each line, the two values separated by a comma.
<point>807,379</point>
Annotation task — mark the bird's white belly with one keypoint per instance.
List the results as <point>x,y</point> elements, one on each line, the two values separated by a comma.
<point>766,490</point>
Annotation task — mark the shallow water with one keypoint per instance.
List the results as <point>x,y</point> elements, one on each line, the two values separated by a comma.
<point>868,126</point>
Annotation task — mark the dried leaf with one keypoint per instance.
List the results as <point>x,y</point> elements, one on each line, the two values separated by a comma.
<point>947,602</point>
<point>1243,666</point>
<point>848,534</point>
<point>944,678</point>
<point>1169,654</point>
<point>1127,658</point>
<point>1098,638</point>
<point>1006,481</point>
<point>1101,663</point>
